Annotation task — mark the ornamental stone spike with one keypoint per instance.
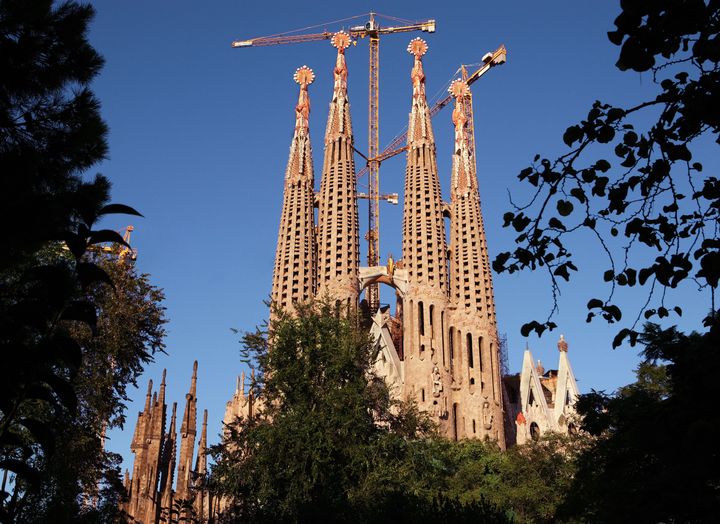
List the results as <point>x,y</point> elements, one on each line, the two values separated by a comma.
<point>562,344</point>
<point>188,430</point>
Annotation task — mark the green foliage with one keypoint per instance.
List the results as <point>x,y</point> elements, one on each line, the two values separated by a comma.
<point>525,484</point>
<point>50,132</point>
<point>322,410</point>
<point>655,458</point>
<point>331,445</point>
<point>129,331</point>
<point>647,190</point>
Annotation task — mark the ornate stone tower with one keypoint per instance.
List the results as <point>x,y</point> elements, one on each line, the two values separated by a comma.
<point>423,256</point>
<point>188,430</point>
<point>294,277</point>
<point>472,336</point>
<point>338,242</point>
<point>168,461</point>
<point>153,492</point>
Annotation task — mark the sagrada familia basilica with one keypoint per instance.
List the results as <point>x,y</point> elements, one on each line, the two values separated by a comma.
<point>440,347</point>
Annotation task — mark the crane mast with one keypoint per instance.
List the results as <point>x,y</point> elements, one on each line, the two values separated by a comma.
<point>490,60</point>
<point>373,235</point>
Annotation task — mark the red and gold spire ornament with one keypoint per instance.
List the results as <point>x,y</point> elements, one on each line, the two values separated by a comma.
<point>340,41</point>
<point>419,126</point>
<point>459,90</point>
<point>303,76</point>
<point>417,47</point>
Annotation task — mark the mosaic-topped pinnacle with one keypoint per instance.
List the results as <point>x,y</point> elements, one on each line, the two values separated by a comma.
<point>304,76</point>
<point>562,344</point>
<point>458,89</point>
<point>417,47</point>
<point>340,41</point>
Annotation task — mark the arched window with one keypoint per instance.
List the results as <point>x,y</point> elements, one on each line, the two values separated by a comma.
<point>534,431</point>
<point>455,420</point>
<point>470,350</point>
<point>480,353</point>
<point>451,344</point>
<point>432,320</point>
<point>442,335</point>
<point>421,318</point>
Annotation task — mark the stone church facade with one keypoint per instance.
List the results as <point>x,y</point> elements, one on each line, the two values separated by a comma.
<point>440,348</point>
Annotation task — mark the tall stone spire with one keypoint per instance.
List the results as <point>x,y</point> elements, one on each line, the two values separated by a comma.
<point>471,280</point>
<point>338,242</point>
<point>148,458</point>
<point>201,495</point>
<point>473,325</point>
<point>294,276</point>
<point>423,243</point>
<point>151,497</point>
<point>138,446</point>
<point>168,466</point>
<point>188,430</point>
<point>424,253</point>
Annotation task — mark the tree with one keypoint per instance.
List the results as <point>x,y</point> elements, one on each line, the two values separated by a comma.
<point>84,480</point>
<point>523,484</point>
<point>328,435</point>
<point>655,458</point>
<point>50,133</point>
<point>649,190</point>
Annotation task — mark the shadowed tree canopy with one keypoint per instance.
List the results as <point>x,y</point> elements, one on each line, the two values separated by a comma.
<point>655,458</point>
<point>51,132</point>
<point>83,482</point>
<point>328,436</point>
<point>636,188</point>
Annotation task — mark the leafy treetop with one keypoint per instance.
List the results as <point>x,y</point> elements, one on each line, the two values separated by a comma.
<point>646,190</point>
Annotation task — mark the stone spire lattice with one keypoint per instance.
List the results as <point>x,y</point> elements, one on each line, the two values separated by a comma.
<point>338,243</point>
<point>294,277</point>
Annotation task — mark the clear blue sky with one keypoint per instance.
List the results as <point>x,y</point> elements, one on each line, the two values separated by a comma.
<point>199,136</point>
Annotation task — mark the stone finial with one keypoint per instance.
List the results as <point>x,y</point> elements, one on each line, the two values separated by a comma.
<point>340,41</point>
<point>459,90</point>
<point>540,368</point>
<point>562,344</point>
<point>193,381</point>
<point>304,76</point>
<point>173,419</point>
<point>148,397</point>
<point>418,47</point>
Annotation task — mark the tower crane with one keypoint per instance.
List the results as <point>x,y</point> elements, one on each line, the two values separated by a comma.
<point>490,60</point>
<point>373,31</point>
